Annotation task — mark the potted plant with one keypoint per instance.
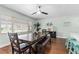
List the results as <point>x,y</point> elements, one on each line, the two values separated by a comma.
<point>37,26</point>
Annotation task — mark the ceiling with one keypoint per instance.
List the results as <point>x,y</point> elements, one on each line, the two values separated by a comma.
<point>53,10</point>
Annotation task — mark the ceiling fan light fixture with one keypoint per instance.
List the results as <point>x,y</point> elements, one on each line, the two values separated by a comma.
<point>38,12</point>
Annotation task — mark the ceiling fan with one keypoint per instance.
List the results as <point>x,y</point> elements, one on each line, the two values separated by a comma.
<point>39,11</point>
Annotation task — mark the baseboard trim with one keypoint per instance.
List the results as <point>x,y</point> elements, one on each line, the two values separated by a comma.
<point>4,45</point>
<point>61,37</point>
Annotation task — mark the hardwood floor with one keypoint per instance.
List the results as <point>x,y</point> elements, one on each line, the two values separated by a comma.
<point>5,50</point>
<point>57,47</point>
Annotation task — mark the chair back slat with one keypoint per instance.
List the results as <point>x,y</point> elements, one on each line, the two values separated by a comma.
<point>14,40</point>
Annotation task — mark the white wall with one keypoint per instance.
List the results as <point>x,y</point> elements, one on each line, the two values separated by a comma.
<point>4,40</point>
<point>64,26</point>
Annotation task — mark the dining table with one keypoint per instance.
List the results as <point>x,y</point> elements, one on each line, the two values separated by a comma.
<point>28,38</point>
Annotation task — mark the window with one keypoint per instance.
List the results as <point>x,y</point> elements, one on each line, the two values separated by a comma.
<point>5,28</point>
<point>18,27</point>
<point>30,26</point>
<point>24,27</point>
<point>8,25</point>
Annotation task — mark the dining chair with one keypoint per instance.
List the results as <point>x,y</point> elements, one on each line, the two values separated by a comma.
<point>19,46</point>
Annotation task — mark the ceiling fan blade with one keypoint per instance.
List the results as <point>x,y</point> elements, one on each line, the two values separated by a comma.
<point>34,13</point>
<point>44,13</point>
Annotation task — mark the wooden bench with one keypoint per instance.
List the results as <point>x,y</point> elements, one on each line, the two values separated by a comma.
<point>42,44</point>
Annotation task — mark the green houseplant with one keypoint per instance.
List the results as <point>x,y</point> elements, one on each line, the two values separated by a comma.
<point>37,26</point>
